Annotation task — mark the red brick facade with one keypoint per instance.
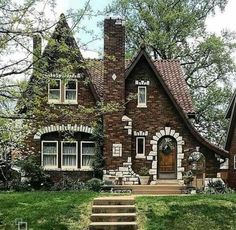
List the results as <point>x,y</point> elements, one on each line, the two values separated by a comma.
<point>166,114</point>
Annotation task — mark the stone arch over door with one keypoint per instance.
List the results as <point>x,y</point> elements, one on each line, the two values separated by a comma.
<point>152,156</point>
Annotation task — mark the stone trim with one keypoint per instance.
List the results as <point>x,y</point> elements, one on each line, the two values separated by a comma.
<point>129,124</point>
<point>129,177</point>
<point>117,150</point>
<point>152,156</point>
<point>61,128</point>
<point>142,82</point>
<point>141,133</point>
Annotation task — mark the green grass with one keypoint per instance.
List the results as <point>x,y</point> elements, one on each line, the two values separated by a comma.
<point>46,210</point>
<point>212,212</point>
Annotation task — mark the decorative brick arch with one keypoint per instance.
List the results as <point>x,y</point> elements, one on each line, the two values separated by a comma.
<point>61,128</point>
<point>152,156</point>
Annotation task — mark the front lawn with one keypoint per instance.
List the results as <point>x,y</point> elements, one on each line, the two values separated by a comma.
<point>211,212</point>
<point>46,210</point>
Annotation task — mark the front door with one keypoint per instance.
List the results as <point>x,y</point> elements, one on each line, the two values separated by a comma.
<point>167,158</point>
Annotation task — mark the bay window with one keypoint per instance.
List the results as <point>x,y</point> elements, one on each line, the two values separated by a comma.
<point>69,154</point>
<point>50,154</point>
<point>87,154</point>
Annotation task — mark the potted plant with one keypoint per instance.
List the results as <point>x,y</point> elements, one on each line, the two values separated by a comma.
<point>144,175</point>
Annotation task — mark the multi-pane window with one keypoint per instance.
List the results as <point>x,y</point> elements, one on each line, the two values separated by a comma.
<point>69,154</point>
<point>87,154</point>
<point>60,92</point>
<point>234,161</point>
<point>140,145</point>
<point>71,92</point>
<point>54,91</point>
<point>49,154</point>
<point>142,96</point>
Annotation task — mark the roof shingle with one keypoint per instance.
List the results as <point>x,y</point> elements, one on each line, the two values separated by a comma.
<point>170,71</point>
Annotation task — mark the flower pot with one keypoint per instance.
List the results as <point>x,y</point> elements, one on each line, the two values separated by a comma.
<point>144,179</point>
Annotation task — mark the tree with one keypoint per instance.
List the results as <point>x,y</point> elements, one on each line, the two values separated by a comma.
<point>176,29</point>
<point>20,24</point>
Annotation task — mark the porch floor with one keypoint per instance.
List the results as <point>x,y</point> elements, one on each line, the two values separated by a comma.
<point>162,187</point>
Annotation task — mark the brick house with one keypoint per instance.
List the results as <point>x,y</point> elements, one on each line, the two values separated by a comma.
<point>152,129</point>
<point>230,144</point>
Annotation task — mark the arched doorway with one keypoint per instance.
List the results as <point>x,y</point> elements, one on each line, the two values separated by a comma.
<point>167,158</point>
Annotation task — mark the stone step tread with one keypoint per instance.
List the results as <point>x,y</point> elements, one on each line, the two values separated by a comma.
<point>115,198</point>
<point>114,214</point>
<point>112,223</point>
<point>113,206</point>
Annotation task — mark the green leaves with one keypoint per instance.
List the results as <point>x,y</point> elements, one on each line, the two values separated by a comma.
<point>176,29</point>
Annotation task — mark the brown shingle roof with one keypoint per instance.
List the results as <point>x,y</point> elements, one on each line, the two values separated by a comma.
<point>172,75</point>
<point>170,71</point>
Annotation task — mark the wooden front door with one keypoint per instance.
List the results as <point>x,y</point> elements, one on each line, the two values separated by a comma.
<point>167,153</point>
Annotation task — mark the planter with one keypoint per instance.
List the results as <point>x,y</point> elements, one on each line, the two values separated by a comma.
<point>144,179</point>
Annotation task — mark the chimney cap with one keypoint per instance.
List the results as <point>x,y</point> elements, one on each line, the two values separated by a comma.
<point>118,20</point>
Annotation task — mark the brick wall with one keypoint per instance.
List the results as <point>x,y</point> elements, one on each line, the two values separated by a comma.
<point>160,113</point>
<point>114,70</point>
<point>232,151</point>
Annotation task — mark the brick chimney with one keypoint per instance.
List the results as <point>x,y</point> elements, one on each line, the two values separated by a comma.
<point>114,60</point>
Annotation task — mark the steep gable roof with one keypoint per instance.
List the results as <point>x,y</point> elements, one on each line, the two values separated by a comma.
<point>176,103</point>
<point>231,113</point>
<point>169,70</point>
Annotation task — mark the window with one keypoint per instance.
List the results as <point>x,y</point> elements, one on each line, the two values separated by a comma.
<point>49,154</point>
<point>71,92</point>
<point>140,146</point>
<point>69,154</point>
<point>54,91</point>
<point>142,96</point>
<point>234,161</point>
<point>87,154</point>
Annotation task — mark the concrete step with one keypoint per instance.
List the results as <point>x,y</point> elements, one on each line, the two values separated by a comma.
<point>113,226</point>
<point>113,208</point>
<point>113,201</point>
<point>113,217</point>
<point>153,192</point>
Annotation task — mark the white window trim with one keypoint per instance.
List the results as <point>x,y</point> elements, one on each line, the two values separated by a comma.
<point>42,154</point>
<point>234,161</point>
<point>76,93</point>
<point>140,155</point>
<point>53,101</point>
<point>81,154</point>
<point>69,167</point>
<point>142,105</point>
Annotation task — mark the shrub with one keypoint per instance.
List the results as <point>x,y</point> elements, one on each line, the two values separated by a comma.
<point>216,187</point>
<point>66,184</point>
<point>94,185</point>
<point>37,178</point>
<point>144,171</point>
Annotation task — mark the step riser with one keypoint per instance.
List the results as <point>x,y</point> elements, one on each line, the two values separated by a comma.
<point>113,202</point>
<point>113,218</point>
<point>113,210</point>
<point>105,227</point>
<point>157,192</point>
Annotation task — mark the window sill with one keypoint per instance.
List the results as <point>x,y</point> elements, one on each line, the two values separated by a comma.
<point>68,169</point>
<point>140,156</point>
<point>62,103</point>
<point>141,106</point>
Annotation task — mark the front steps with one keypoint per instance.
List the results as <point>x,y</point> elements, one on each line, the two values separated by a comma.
<point>113,213</point>
<point>163,187</point>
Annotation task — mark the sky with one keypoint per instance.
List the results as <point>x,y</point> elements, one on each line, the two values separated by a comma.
<point>216,23</point>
